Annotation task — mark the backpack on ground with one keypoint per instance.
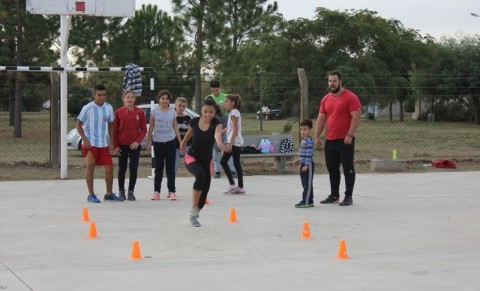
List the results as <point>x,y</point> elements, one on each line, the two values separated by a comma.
<point>286,146</point>
<point>264,145</point>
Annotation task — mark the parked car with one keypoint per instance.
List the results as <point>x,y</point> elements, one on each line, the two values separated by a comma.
<point>74,140</point>
<point>269,113</point>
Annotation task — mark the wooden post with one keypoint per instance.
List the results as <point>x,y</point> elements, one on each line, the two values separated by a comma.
<point>303,93</point>
<point>302,78</point>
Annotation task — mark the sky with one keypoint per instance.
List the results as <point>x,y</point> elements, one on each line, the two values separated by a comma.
<point>434,17</point>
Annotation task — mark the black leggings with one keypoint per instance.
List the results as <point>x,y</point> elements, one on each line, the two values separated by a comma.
<point>201,171</point>
<point>235,153</point>
<point>336,153</point>
<point>134,155</point>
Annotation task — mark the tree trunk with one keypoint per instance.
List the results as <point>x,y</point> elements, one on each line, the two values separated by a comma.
<point>55,137</point>
<point>17,127</point>
<point>11,102</point>
<point>476,106</point>
<point>199,59</point>
<point>17,131</point>
<point>390,111</point>
<point>402,115</point>
<point>12,54</point>
<point>198,88</point>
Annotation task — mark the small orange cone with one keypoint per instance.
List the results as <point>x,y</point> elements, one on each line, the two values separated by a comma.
<point>85,217</point>
<point>233,216</point>
<point>93,230</point>
<point>306,231</point>
<point>136,251</point>
<point>342,251</point>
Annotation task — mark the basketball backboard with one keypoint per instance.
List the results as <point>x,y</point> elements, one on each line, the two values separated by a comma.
<point>106,8</point>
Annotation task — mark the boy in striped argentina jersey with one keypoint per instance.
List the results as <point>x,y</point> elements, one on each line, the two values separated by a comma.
<point>94,122</point>
<point>307,166</point>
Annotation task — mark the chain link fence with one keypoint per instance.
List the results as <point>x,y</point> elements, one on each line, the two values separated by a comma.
<point>377,136</point>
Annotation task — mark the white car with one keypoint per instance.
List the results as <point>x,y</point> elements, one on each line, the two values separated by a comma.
<point>74,140</point>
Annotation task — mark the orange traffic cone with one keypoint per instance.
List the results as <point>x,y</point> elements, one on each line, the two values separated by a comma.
<point>136,251</point>
<point>233,216</point>
<point>306,231</point>
<point>85,217</point>
<point>93,230</point>
<point>342,251</point>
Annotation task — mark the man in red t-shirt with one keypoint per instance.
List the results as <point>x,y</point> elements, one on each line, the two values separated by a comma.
<point>340,112</point>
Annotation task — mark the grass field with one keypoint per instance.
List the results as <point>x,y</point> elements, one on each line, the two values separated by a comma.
<point>414,140</point>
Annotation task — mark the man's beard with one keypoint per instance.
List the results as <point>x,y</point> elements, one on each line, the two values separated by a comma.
<point>335,90</point>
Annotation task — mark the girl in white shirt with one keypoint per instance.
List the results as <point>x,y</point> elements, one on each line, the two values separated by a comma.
<point>233,104</point>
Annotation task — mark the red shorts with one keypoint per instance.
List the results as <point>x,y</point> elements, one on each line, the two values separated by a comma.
<point>102,156</point>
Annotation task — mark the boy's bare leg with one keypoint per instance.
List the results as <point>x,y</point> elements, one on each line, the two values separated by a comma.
<point>90,168</point>
<point>109,178</point>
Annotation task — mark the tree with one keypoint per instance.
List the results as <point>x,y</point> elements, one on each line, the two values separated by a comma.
<point>203,21</point>
<point>455,76</point>
<point>355,36</point>
<point>89,39</point>
<point>246,21</point>
<point>15,27</point>
<point>153,38</point>
<point>246,18</point>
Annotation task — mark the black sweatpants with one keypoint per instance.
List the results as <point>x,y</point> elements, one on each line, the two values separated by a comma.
<point>336,153</point>
<point>165,154</point>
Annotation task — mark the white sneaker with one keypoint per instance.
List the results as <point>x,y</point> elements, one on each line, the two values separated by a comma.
<point>230,189</point>
<point>193,217</point>
<point>194,222</point>
<point>239,190</point>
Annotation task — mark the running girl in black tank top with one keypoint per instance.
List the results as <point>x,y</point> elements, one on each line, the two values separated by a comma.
<point>204,131</point>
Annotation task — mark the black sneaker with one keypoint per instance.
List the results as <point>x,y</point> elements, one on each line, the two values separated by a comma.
<point>302,204</point>
<point>347,201</point>
<point>121,194</point>
<point>217,175</point>
<point>330,199</point>
<point>234,175</point>
<point>111,197</point>
<point>131,197</point>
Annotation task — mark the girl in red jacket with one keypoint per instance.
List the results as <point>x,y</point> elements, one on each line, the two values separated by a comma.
<point>130,128</point>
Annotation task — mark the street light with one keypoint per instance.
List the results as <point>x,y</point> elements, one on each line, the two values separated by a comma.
<point>474,14</point>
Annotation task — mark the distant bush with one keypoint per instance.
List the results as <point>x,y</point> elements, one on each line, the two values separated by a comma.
<point>455,112</point>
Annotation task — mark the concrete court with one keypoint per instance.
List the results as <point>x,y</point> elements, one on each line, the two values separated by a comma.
<point>404,232</point>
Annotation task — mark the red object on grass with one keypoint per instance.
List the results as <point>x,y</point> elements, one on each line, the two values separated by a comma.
<point>449,164</point>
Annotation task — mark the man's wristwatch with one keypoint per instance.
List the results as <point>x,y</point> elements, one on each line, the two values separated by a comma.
<point>350,135</point>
